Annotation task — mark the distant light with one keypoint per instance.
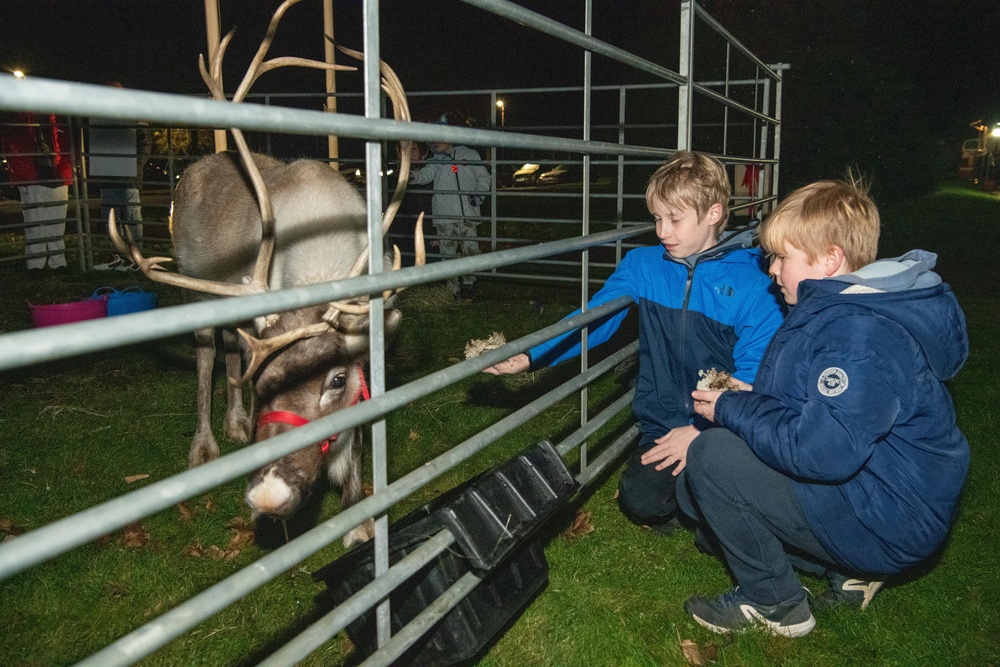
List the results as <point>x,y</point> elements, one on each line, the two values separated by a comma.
<point>18,74</point>
<point>358,173</point>
<point>500,103</point>
<point>996,130</point>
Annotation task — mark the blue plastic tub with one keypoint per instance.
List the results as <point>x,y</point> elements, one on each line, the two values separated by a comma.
<point>129,300</point>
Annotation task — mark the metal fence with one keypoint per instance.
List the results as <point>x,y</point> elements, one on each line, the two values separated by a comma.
<point>740,122</point>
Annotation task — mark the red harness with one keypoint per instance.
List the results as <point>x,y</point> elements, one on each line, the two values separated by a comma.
<point>292,419</point>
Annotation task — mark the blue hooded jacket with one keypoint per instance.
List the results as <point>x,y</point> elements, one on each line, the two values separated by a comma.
<point>716,309</point>
<point>850,402</point>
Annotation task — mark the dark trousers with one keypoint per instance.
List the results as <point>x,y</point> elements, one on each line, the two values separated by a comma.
<point>647,496</point>
<point>754,514</point>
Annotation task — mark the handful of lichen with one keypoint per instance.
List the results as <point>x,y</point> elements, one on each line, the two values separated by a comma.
<point>476,347</point>
<point>713,380</point>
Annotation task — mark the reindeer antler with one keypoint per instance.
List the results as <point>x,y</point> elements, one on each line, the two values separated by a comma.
<point>400,111</point>
<point>213,80</point>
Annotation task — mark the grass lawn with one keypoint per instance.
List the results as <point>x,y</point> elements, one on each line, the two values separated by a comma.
<point>70,433</point>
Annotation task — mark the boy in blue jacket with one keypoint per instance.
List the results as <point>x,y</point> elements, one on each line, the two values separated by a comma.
<point>845,458</point>
<point>703,303</point>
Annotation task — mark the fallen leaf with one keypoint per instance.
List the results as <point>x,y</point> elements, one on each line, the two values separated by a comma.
<point>240,539</point>
<point>581,526</point>
<point>215,552</point>
<point>194,550</point>
<point>9,537</point>
<point>413,435</point>
<point>210,504</point>
<point>697,656</point>
<point>135,536</point>
<point>7,526</point>
<point>232,553</point>
<point>186,512</point>
<point>136,478</point>
<point>239,523</point>
<point>367,489</point>
<point>615,497</point>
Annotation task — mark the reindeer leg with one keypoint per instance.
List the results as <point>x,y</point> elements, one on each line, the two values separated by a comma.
<point>237,423</point>
<point>203,446</point>
<point>351,489</point>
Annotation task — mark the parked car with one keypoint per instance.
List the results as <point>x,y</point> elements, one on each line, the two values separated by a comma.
<point>563,173</point>
<point>527,174</point>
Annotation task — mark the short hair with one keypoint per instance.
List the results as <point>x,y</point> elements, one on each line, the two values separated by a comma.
<point>824,214</point>
<point>692,180</point>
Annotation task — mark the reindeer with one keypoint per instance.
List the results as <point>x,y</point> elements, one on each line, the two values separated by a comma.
<point>256,224</point>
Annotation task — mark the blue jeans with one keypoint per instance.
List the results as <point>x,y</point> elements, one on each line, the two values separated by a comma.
<point>754,514</point>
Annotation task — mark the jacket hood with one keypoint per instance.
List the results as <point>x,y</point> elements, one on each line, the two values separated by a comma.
<point>905,290</point>
<point>737,238</point>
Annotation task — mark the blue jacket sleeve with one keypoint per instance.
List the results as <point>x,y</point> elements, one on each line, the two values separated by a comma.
<point>567,346</point>
<point>839,404</point>
<point>758,319</point>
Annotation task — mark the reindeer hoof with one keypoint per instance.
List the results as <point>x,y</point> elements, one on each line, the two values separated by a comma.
<point>202,454</point>
<point>238,429</point>
<point>362,533</point>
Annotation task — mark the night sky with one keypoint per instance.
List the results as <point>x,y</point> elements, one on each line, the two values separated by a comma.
<point>867,77</point>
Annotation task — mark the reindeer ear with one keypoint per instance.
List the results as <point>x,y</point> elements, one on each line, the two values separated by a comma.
<point>392,319</point>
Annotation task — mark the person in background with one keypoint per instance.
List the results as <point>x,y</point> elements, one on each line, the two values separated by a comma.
<point>40,165</point>
<point>118,154</point>
<point>458,181</point>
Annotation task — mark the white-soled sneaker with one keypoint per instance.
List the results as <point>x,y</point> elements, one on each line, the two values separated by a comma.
<point>735,612</point>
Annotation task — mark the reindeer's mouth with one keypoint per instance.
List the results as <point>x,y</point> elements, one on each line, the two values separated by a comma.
<point>271,495</point>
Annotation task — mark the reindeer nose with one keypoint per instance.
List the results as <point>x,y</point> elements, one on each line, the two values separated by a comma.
<point>272,496</point>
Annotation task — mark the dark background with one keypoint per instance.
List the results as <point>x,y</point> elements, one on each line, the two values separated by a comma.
<point>886,86</point>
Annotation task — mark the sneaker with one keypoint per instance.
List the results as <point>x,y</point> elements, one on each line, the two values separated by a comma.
<point>467,293</point>
<point>735,612</point>
<point>116,263</point>
<point>844,592</point>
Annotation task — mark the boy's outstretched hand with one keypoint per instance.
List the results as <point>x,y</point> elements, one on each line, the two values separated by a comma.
<point>671,448</point>
<point>516,364</point>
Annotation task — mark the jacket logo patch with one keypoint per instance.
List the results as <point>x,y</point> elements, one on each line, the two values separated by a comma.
<point>724,290</point>
<point>832,382</point>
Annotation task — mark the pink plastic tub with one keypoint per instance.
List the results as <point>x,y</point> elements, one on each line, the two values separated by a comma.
<point>64,313</point>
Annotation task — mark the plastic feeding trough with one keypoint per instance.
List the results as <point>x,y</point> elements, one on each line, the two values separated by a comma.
<point>494,518</point>
<point>128,300</point>
<point>47,315</point>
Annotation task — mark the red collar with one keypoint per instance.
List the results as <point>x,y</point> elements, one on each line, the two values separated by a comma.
<point>292,419</point>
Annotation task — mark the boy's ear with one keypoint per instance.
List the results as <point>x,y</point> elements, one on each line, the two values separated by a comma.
<point>834,262</point>
<point>714,214</point>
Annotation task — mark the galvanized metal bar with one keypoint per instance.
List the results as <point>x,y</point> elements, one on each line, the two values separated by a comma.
<point>685,93</point>
<point>608,456</point>
<point>333,622</point>
<point>22,348</point>
<point>160,631</point>
<point>48,95</point>
<point>585,222</point>
<point>589,428</point>
<point>728,36</point>
<point>55,538</point>
<point>423,622</point>
<point>558,30</point>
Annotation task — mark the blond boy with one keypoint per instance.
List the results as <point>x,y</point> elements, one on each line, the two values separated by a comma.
<point>704,302</point>
<point>845,458</point>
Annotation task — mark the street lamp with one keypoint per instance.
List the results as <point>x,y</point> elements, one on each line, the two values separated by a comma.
<point>500,105</point>
<point>18,74</point>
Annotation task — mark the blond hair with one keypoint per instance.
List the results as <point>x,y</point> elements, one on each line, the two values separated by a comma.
<point>824,214</point>
<point>691,180</point>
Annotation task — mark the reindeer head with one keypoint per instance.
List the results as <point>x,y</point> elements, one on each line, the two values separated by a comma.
<point>312,378</point>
